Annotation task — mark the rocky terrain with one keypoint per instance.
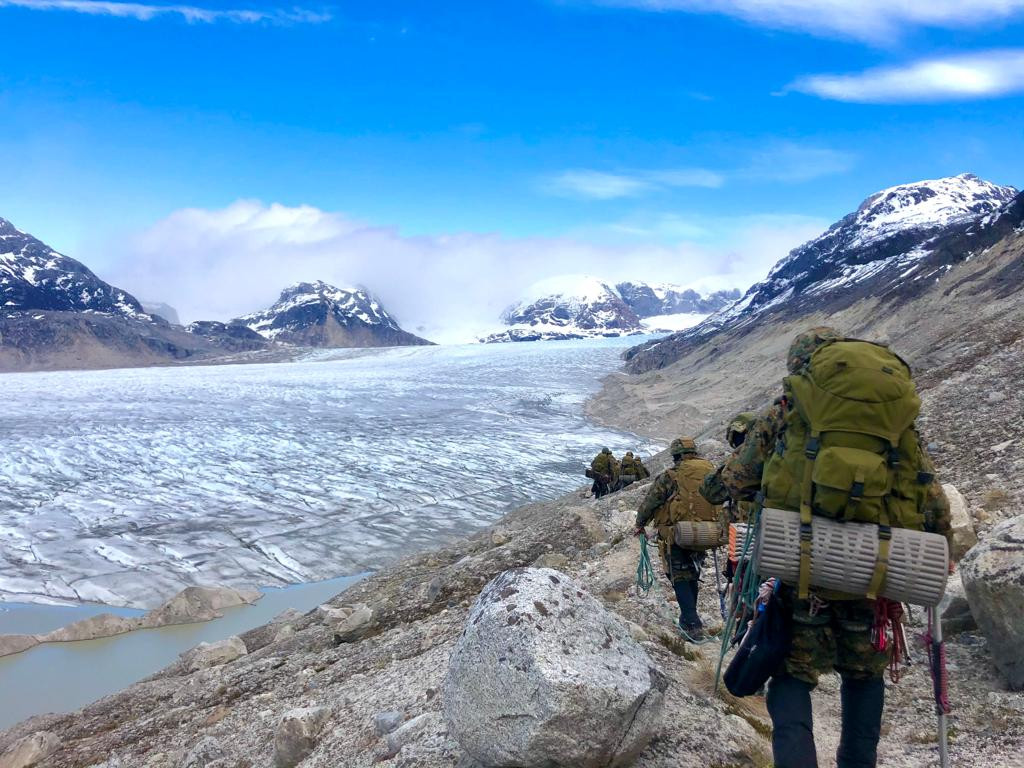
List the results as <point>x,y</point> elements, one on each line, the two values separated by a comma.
<point>665,299</point>
<point>360,680</point>
<point>320,315</point>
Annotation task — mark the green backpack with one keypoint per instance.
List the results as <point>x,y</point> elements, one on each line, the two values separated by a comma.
<point>849,450</point>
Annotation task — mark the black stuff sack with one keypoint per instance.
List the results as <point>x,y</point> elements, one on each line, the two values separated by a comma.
<point>762,650</point>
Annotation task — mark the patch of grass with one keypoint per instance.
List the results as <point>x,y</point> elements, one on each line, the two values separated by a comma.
<point>678,646</point>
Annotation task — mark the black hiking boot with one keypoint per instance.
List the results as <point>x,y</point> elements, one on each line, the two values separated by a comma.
<point>863,701</point>
<point>789,704</point>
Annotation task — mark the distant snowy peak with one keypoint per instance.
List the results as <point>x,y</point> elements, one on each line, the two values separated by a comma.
<point>321,315</point>
<point>33,276</point>
<point>655,300</point>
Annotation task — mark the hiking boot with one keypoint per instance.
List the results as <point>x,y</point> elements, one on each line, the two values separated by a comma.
<point>695,634</point>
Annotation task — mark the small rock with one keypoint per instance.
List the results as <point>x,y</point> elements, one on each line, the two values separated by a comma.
<point>30,750</point>
<point>386,722</point>
<point>600,549</point>
<point>297,735</point>
<point>637,632</point>
<point>353,626</point>
<point>284,632</point>
<point>214,654</point>
<point>433,589</point>
<point>996,397</point>
<point>410,731</point>
<point>551,560</point>
<point>498,538</point>
<point>207,752</point>
<point>964,536</point>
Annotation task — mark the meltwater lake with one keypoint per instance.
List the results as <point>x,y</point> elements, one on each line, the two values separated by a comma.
<point>122,487</point>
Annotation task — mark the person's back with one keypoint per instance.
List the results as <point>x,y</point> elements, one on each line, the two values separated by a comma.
<point>604,471</point>
<point>674,498</point>
<point>830,452</point>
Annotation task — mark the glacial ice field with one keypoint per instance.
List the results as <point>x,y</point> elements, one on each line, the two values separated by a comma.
<point>124,486</point>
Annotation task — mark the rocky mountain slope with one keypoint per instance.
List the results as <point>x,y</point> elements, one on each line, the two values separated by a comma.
<point>320,315</point>
<point>581,306</point>
<point>896,241</point>
<point>56,314</point>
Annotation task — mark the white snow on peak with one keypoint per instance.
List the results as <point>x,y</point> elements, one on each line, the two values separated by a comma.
<point>354,303</point>
<point>572,289</point>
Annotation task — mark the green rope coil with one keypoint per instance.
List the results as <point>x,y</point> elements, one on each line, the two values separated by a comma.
<point>644,570</point>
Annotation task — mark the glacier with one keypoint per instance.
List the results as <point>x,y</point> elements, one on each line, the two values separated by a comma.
<point>124,486</point>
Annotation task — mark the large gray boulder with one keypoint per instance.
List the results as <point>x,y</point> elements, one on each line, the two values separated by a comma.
<point>543,675</point>
<point>993,577</point>
<point>961,525</point>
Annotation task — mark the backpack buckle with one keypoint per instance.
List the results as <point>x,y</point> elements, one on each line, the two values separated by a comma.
<point>894,458</point>
<point>806,534</point>
<point>812,448</point>
<point>925,478</point>
<point>884,532</point>
<point>856,492</point>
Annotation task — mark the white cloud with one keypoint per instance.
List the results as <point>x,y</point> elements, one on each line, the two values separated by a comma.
<point>794,163</point>
<point>870,20</point>
<point>987,74</point>
<point>218,264</point>
<point>147,12</point>
<point>600,185</point>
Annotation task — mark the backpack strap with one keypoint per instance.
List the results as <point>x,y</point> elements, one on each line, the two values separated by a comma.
<point>806,516</point>
<point>884,536</point>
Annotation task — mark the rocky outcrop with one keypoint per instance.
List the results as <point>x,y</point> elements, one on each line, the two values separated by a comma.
<point>544,675</point>
<point>993,577</point>
<point>30,751</point>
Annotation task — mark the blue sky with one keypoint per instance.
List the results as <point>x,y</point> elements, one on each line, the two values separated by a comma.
<point>615,130</point>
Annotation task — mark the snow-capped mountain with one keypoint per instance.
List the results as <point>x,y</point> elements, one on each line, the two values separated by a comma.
<point>320,315</point>
<point>33,276</point>
<point>886,248</point>
<point>651,300</point>
<point>568,307</point>
<point>582,306</point>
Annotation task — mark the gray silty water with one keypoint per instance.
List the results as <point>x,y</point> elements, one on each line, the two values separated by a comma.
<point>124,486</point>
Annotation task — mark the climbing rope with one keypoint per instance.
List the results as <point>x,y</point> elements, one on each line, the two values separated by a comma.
<point>745,588</point>
<point>889,618</point>
<point>644,570</point>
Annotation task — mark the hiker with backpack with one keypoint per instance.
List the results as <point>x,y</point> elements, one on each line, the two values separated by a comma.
<point>604,471</point>
<point>631,470</point>
<point>841,444</point>
<point>672,504</point>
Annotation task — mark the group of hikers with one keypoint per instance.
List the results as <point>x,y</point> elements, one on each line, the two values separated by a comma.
<point>839,443</point>
<point>610,474</point>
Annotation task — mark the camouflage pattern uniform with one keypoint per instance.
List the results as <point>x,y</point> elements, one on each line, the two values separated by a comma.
<point>682,566</point>
<point>631,470</point>
<point>830,633</point>
<point>606,470</point>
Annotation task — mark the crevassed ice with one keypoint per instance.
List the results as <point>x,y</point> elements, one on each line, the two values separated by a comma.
<point>125,486</point>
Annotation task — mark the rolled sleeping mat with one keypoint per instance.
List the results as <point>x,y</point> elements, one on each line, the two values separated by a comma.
<point>699,534</point>
<point>737,538</point>
<point>627,479</point>
<point>843,557</point>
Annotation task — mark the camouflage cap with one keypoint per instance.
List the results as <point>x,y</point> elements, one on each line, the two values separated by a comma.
<point>606,450</point>
<point>629,453</point>
<point>682,446</point>
<point>806,343</point>
<point>738,427</point>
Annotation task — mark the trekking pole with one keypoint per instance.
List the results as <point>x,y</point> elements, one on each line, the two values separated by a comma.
<point>720,590</point>
<point>940,682</point>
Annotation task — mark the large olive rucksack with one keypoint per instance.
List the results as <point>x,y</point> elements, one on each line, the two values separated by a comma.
<point>849,450</point>
<point>686,504</point>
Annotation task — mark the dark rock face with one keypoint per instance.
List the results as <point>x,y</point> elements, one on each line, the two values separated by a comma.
<point>602,309</point>
<point>649,301</point>
<point>888,248</point>
<point>34,276</point>
<point>228,335</point>
<point>320,315</point>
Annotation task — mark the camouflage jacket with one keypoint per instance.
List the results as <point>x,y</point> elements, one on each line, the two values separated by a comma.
<point>740,476</point>
<point>605,464</point>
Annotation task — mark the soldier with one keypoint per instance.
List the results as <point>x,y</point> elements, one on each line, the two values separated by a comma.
<point>604,470</point>
<point>830,631</point>
<point>713,489</point>
<point>670,500</point>
<point>631,470</point>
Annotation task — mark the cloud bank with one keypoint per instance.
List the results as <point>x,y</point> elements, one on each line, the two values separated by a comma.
<point>600,185</point>
<point>219,264</point>
<point>148,12</point>
<point>988,74</point>
<point>866,20</point>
